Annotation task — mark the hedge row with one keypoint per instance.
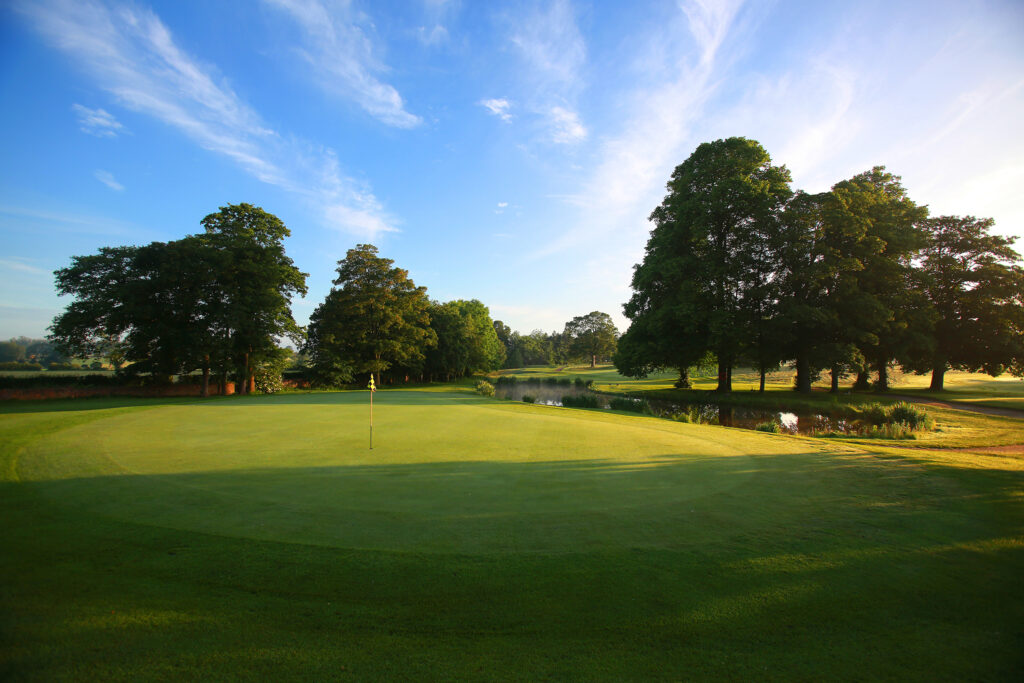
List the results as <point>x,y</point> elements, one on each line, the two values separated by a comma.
<point>46,380</point>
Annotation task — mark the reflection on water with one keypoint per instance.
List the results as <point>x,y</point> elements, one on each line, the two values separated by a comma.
<point>703,413</point>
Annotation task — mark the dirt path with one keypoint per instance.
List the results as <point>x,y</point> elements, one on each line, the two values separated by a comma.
<point>969,407</point>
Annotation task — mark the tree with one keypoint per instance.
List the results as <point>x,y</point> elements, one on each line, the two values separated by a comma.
<point>974,286</point>
<point>591,336</point>
<point>257,281</point>
<point>210,300</point>
<point>374,317</point>
<point>467,339</point>
<point>705,263</point>
<point>879,297</point>
<point>11,351</point>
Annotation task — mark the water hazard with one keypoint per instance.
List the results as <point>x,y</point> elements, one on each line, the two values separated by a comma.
<point>700,413</point>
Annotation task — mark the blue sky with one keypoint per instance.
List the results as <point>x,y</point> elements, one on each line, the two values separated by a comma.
<point>504,151</point>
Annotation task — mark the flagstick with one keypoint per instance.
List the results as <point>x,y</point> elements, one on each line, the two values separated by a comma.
<point>372,389</point>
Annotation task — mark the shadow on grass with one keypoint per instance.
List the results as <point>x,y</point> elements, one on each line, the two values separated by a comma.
<point>808,567</point>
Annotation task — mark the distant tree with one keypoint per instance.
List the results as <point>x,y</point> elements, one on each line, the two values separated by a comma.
<point>467,340</point>
<point>11,351</point>
<point>974,284</point>
<point>591,336</point>
<point>374,317</point>
<point>43,351</point>
<point>535,349</point>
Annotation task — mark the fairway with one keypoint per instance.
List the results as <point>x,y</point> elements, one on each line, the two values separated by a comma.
<point>483,539</point>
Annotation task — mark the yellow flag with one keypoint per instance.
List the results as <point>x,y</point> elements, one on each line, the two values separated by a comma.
<point>371,385</point>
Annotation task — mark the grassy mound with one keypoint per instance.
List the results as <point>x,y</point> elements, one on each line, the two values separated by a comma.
<point>262,538</point>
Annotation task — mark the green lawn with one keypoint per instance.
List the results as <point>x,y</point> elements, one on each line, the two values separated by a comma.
<point>260,538</point>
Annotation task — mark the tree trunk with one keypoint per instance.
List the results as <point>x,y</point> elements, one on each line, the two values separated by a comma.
<point>761,389</point>
<point>835,379</point>
<point>803,374</point>
<point>938,377</point>
<point>206,376</point>
<point>883,376</point>
<point>684,379</point>
<point>724,377</point>
<point>862,380</point>
<point>593,361</point>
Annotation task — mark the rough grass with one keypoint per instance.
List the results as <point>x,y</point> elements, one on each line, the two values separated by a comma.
<point>260,538</point>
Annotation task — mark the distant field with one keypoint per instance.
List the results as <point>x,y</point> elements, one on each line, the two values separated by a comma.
<point>260,537</point>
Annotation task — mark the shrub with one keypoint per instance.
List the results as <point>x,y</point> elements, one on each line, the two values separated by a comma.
<point>580,383</point>
<point>527,398</point>
<point>892,431</point>
<point>584,401</point>
<point>771,426</point>
<point>872,413</point>
<point>551,380</point>
<point>564,381</point>
<point>910,415</point>
<point>633,405</point>
<point>505,380</point>
<point>484,388</point>
<point>268,379</point>
<point>18,366</point>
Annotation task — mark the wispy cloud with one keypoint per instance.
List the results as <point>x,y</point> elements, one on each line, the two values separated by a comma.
<point>633,166</point>
<point>554,53</point>
<point>499,107</point>
<point>98,122</point>
<point>342,61</point>
<point>22,267</point>
<point>107,178</point>
<point>132,55</point>
<point>436,14</point>
<point>566,126</point>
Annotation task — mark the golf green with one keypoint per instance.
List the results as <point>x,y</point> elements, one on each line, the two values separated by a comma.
<point>449,472</point>
<point>261,538</point>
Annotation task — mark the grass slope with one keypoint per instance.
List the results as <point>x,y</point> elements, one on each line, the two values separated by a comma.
<point>261,538</point>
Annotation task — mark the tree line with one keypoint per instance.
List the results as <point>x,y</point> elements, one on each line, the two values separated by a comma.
<point>741,269</point>
<point>219,303</point>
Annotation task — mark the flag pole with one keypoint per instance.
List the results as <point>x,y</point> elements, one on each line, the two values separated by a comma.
<point>372,389</point>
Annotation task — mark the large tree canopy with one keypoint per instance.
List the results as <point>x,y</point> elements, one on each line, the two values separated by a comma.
<point>374,318</point>
<point>216,300</point>
<point>974,286</point>
<point>467,339</point>
<point>705,274</point>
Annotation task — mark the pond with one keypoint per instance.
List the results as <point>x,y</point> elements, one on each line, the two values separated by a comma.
<point>703,413</point>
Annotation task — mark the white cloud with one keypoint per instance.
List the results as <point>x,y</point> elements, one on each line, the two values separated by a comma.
<point>552,46</point>
<point>628,179</point>
<point>432,36</point>
<point>107,178</point>
<point>21,267</point>
<point>498,107</point>
<point>341,59</point>
<point>98,122</point>
<point>502,205</point>
<point>566,126</point>
<point>133,56</point>
<point>554,52</point>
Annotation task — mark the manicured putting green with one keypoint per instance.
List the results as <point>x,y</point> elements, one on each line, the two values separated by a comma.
<point>450,472</point>
<point>260,538</point>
